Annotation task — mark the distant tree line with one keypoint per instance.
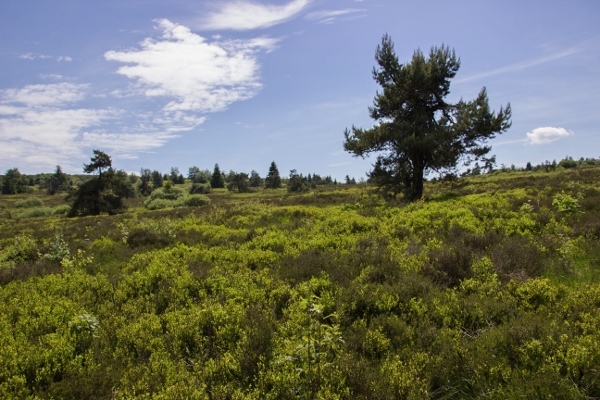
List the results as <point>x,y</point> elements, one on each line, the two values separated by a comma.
<point>547,166</point>
<point>105,191</point>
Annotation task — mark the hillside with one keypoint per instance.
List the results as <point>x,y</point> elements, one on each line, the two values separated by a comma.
<point>488,288</point>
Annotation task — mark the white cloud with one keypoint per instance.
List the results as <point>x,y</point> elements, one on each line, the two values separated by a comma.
<point>547,134</point>
<point>42,126</point>
<point>199,76</point>
<point>331,16</point>
<point>245,15</point>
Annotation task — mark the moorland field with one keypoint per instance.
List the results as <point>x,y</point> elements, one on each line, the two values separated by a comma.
<point>487,288</point>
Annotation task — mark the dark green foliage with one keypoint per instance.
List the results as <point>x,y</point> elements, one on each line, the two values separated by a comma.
<point>57,182</point>
<point>200,188</point>
<point>238,181</point>
<point>255,179</point>
<point>157,179</point>
<point>217,180</point>
<point>101,194</point>
<point>298,183</point>
<point>196,175</point>
<point>273,180</point>
<point>145,179</point>
<point>13,182</point>
<point>125,186</point>
<point>98,196</point>
<point>568,162</point>
<point>174,175</point>
<point>417,130</point>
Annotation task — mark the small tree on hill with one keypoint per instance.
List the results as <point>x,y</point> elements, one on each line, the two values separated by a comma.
<point>57,182</point>
<point>238,181</point>
<point>298,182</point>
<point>255,179</point>
<point>273,180</point>
<point>145,179</point>
<point>13,182</point>
<point>101,194</point>
<point>217,180</point>
<point>157,179</point>
<point>417,130</point>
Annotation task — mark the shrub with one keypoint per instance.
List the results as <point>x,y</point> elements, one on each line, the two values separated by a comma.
<point>567,163</point>
<point>35,212</point>
<point>566,203</point>
<point>517,258</point>
<point>164,197</point>
<point>57,249</point>
<point>61,210</point>
<point>199,188</point>
<point>159,204</point>
<point>166,193</point>
<point>144,237</point>
<point>448,266</point>
<point>29,202</point>
<point>23,247</point>
<point>196,200</point>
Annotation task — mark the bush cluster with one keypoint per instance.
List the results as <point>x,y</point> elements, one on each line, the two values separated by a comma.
<point>171,197</point>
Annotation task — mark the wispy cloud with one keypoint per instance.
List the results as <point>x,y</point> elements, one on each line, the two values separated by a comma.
<point>198,76</point>
<point>337,165</point>
<point>547,134</point>
<point>44,125</point>
<point>126,145</point>
<point>520,66</point>
<point>33,56</point>
<point>45,95</point>
<point>246,15</point>
<point>331,16</point>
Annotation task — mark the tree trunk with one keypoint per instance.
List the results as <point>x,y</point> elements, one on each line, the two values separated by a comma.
<point>417,183</point>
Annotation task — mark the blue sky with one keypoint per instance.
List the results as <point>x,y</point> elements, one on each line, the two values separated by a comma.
<point>179,83</point>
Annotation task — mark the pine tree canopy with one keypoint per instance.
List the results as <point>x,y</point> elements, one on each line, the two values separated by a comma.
<point>417,131</point>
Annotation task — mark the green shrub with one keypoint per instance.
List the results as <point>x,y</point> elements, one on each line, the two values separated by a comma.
<point>61,210</point>
<point>199,188</point>
<point>159,204</point>
<point>23,247</point>
<point>566,203</point>
<point>166,193</point>
<point>196,200</point>
<point>57,249</point>
<point>35,212</point>
<point>29,202</point>
<point>165,197</point>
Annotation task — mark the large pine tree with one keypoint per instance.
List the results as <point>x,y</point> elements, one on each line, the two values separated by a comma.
<point>417,130</point>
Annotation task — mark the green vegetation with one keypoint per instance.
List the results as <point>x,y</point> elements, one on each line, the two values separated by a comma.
<point>488,287</point>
